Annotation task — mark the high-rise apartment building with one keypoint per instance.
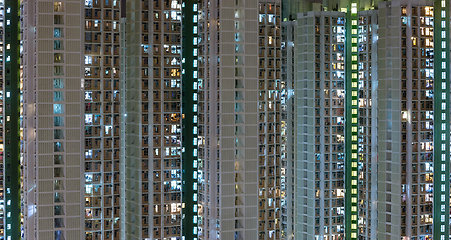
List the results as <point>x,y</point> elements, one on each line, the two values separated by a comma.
<point>372,95</point>
<point>322,119</point>
<point>413,120</point>
<point>203,120</point>
<point>50,93</point>
<point>200,155</point>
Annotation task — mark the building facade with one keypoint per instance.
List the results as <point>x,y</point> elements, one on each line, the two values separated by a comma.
<point>413,90</point>
<point>102,119</point>
<point>51,95</point>
<point>240,120</point>
<point>401,104</point>
<point>185,119</point>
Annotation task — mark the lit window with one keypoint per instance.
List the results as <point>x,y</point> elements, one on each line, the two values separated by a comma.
<point>58,108</point>
<point>88,60</point>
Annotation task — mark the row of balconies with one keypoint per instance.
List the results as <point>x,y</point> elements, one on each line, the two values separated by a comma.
<point>91,26</point>
<point>270,150</point>
<point>108,14</point>
<point>108,190</point>
<point>109,61</point>
<point>167,96</point>
<point>95,225</point>
<point>157,5</point>
<point>271,74</point>
<point>96,37</point>
<point>95,49</point>
<point>167,232</point>
<point>106,235</point>
<point>272,172</point>
<point>266,97</point>
<point>270,52</point>
<point>267,182</point>
<point>269,85</point>
<point>269,31</point>
<point>96,72</point>
<point>269,8</point>
<point>96,178</point>
<point>108,166</point>
<point>108,201</point>
<point>271,117</point>
<point>169,27</point>
<point>172,142</point>
<point>269,42</point>
<point>271,140</point>
<point>98,4</point>
<point>270,225</point>
<point>95,84</point>
<point>269,161</point>
<point>168,107</point>
<point>95,143</point>
<point>107,107</point>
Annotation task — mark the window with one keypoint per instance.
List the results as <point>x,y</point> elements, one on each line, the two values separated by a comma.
<point>58,108</point>
<point>58,83</point>
<point>58,32</point>
<point>58,6</point>
<point>57,57</point>
<point>57,45</point>
<point>58,19</point>
<point>58,121</point>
